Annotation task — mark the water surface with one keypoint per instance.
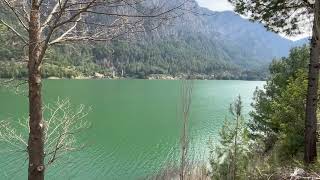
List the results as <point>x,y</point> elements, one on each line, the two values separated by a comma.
<point>135,125</point>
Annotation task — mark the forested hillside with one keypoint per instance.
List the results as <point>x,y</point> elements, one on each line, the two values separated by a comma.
<point>211,45</point>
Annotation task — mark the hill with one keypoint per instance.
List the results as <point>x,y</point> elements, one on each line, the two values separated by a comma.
<point>219,45</point>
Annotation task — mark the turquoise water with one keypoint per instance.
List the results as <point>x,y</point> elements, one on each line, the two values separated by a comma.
<point>135,125</point>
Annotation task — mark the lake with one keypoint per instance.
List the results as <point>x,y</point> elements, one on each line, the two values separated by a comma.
<point>135,125</point>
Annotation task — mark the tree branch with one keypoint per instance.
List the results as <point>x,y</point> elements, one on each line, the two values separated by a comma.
<point>14,31</point>
<point>54,9</point>
<point>57,40</point>
<point>17,14</point>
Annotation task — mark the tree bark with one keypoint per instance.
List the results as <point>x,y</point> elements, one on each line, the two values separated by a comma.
<point>35,143</point>
<point>310,154</point>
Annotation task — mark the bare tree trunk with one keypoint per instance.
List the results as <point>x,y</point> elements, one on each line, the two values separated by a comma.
<point>183,151</point>
<point>36,140</point>
<point>236,110</point>
<point>187,88</point>
<point>310,153</point>
<point>234,161</point>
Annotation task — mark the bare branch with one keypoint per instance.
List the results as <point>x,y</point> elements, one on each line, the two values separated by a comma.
<point>10,136</point>
<point>77,13</point>
<point>17,14</point>
<point>50,16</point>
<point>16,85</point>
<point>61,130</point>
<point>62,127</point>
<point>66,33</point>
<point>14,31</point>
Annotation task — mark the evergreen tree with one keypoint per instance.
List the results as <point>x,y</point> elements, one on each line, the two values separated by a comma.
<point>230,157</point>
<point>289,16</point>
<point>278,117</point>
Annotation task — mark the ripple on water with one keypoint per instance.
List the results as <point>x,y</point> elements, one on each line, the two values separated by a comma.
<point>136,126</point>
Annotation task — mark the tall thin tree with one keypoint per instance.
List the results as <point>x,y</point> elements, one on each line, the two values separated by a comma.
<point>236,111</point>
<point>186,95</point>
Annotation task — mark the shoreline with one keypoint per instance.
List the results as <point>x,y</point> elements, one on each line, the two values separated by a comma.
<point>151,77</point>
<point>114,79</point>
<point>130,78</point>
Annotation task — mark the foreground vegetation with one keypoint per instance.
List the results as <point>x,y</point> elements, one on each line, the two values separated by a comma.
<point>270,145</point>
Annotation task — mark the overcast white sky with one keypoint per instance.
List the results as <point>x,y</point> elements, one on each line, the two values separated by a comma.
<point>216,5</point>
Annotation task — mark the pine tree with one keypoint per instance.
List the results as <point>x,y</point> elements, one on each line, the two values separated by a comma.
<point>289,17</point>
<point>230,156</point>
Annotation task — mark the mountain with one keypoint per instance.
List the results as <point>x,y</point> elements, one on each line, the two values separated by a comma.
<point>301,42</point>
<point>251,38</point>
<point>220,45</point>
<point>241,41</point>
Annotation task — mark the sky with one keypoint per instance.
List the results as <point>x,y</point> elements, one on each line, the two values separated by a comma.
<point>216,5</point>
<point>224,5</point>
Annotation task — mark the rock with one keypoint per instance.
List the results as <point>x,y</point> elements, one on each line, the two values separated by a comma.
<point>53,78</point>
<point>98,75</point>
<point>82,77</point>
<point>160,77</point>
<point>298,172</point>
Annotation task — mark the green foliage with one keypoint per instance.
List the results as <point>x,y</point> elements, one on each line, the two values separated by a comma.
<point>289,114</point>
<point>50,70</point>
<point>280,16</point>
<point>10,50</point>
<point>195,46</point>
<point>19,70</point>
<point>272,140</point>
<point>180,53</point>
<point>9,69</point>
<point>62,61</point>
<point>230,157</point>
<point>279,110</point>
<point>190,57</point>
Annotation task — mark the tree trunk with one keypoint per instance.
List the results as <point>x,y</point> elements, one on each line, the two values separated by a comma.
<point>234,161</point>
<point>310,153</point>
<point>35,143</point>
<point>183,155</point>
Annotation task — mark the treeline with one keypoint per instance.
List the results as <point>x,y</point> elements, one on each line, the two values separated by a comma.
<point>172,57</point>
<point>190,57</point>
<point>271,142</point>
<point>64,62</point>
